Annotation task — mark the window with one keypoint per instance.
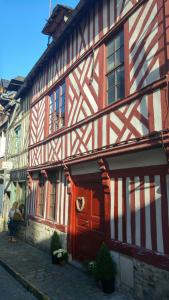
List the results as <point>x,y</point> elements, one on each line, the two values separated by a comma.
<point>17,138</point>
<point>57,108</point>
<point>52,197</point>
<point>115,68</point>
<point>2,144</point>
<point>41,200</point>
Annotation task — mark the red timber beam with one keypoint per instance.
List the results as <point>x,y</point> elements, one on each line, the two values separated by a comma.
<point>103,166</point>
<point>29,180</point>
<point>71,213</point>
<point>164,140</point>
<point>166,31</point>
<point>102,39</point>
<point>140,253</point>
<point>44,174</point>
<point>159,84</point>
<point>105,178</point>
<point>152,141</point>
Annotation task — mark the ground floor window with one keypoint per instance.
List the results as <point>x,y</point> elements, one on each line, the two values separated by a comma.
<point>41,196</point>
<point>52,197</point>
<point>18,193</point>
<point>48,198</point>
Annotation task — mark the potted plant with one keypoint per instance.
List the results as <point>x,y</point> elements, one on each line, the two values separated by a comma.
<point>60,256</point>
<point>89,266</point>
<point>55,245</point>
<point>105,270</point>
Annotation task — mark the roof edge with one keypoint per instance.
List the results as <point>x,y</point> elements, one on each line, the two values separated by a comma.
<point>69,25</point>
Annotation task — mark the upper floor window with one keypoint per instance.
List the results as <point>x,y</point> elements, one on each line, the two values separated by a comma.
<point>115,68</point>
<point>2,143</point>
<point>17,138</point>
<point>57,108</point>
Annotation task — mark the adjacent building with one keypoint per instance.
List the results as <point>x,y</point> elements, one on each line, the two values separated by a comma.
<point>3,126</point>
<point>98,147</point>
<point>17,144</point>
<point>14,122</point>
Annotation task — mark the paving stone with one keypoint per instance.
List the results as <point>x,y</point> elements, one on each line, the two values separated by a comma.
<point>10,289</point>
<point>59,283</point>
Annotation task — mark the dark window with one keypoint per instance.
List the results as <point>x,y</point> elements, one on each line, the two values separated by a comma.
<point>57,108</point>
<point>115,68</point>
<point>52,196</point>
<point>41,201</point>
<point>51,113</point>
<point>17,138</point>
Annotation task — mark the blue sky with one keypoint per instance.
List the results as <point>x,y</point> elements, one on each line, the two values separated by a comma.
<point>21,40</point>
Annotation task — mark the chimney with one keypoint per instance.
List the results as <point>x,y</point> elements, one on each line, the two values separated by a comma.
<point>57,21</point>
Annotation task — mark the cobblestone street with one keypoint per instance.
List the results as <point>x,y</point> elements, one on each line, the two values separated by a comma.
<point>11,289</point>
<point>58,283</point>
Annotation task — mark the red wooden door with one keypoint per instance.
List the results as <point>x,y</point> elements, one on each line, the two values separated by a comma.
<point>89,221</point>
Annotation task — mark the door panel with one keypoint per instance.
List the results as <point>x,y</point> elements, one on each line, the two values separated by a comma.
<point>90,221</point>
<point>97,209</point>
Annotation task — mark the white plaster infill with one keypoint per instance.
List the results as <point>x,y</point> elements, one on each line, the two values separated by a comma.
<point>139,159</point>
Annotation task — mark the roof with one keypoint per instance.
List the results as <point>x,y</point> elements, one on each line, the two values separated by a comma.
<point>3,120</point>
<point>70,24</point>
<point>15,84</point>
<point>20,78</point>
<point>4,83</point>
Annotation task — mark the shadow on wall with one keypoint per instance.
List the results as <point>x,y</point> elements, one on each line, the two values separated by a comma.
<point>138,227</point>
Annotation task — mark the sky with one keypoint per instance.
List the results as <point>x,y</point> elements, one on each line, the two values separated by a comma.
<point>21,40</point>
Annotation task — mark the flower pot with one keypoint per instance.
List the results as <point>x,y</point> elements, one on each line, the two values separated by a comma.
<point>54,259</point>
<point>108,286</point>
<point>62,263</point>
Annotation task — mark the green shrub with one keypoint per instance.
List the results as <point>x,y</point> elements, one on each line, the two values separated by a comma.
<point>55,242</point>
<point>105,266</point>
<point>90,267</point>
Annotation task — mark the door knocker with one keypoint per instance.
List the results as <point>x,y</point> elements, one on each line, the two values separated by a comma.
<point>80,203</point>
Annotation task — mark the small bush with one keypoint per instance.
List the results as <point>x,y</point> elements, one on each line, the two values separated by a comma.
<point>55,242</point>
<point>105,266</point>
<point>90,267</point>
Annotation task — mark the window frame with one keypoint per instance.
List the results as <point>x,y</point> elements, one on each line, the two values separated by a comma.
<point>57,114</point>
<point>17,140</point>
<point>52,180</point>
<point>115,68</point>
<point>41,187</point>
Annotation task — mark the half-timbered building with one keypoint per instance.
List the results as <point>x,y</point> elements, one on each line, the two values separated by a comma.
<point>16,150</point>
<point>3,126</point>
<point>98,148</point>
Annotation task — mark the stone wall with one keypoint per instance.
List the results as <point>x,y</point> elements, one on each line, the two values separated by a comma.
<point>3,224</point>
<point>40,235</point>
<point>142,281</point>
<point>135,278</point>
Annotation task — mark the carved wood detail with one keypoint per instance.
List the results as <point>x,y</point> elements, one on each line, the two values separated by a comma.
<point>69,180</point>
<point>103,166</point>
<point>29,180</point>
<point>44,174</point>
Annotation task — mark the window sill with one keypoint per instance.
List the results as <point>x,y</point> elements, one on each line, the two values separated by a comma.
<point>56,131</point>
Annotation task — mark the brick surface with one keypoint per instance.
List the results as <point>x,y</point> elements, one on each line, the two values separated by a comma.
<point>59,283</point>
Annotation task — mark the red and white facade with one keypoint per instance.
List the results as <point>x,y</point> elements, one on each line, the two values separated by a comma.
<point>113,156</point>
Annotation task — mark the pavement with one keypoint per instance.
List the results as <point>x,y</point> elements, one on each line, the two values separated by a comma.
<point>11,289</point>
<point>34,270</point>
